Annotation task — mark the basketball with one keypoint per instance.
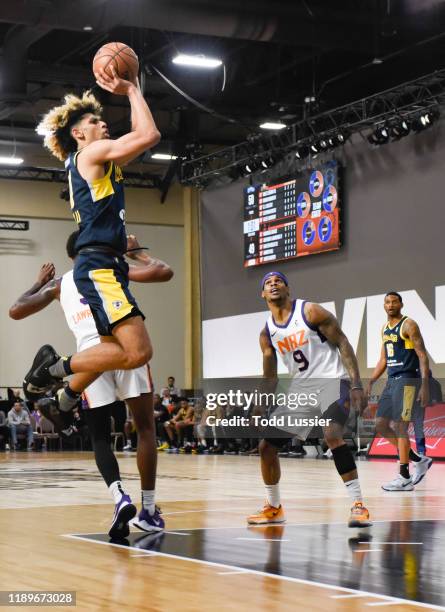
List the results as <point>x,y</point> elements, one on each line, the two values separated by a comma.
<point>121,56</point>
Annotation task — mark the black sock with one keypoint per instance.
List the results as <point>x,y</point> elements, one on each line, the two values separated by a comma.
<point>414,456</point>
<point>71,393</point>
<point>404,470</point>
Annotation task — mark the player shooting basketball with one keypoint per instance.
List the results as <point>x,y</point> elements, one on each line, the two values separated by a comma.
<point>79,136</point>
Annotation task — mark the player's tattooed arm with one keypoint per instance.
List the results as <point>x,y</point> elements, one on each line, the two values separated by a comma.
<point>44,291</point>
<point>411,331</point>
<point>327,324</point>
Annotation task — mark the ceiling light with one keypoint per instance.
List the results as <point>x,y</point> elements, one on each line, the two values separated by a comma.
<point>270,125</point>
<point>165,156</point>
<point>379,136</point>
<point>400,129</point>
<point>302,152</point>
<point>87,28</point>
<point>11,161</point>
<point>198,61</point>
<point>425,120</point>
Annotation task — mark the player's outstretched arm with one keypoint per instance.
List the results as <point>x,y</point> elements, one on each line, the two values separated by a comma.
<point>44,291</point>
<point>412,332</point>
<point>152,271</point>
<point>144,134</point>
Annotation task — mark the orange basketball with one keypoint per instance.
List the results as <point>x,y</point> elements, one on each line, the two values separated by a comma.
<point>119,55</point>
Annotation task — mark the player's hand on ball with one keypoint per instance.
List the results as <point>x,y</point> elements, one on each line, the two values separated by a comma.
<point>47,273</point>
<point>114,84</point>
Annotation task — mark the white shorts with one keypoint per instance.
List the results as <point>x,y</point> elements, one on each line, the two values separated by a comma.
<point>118,385</point>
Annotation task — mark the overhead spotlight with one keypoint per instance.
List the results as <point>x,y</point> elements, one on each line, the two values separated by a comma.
<point>338,139</point>
<point>250,167</point>
<point>399,129</point>
<point>302,152</point>
<point>425,120</point>
<point>314,148</point>
<point>196,61</point>
<point>272,125</point>
<point>379,136</point>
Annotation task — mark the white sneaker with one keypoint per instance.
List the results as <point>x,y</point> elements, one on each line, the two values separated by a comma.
<point>421,468</point>
<point>127,447</point>
<point>399,484</point>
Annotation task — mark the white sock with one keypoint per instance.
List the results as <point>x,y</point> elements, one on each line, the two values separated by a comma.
<point>354,491</point>
<point>148,501</point>
<point>273,495</point>
<point>116,490</point>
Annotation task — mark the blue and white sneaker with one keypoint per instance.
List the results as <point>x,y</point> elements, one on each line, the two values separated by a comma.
<point>149,522</point>
<point>124,511</point>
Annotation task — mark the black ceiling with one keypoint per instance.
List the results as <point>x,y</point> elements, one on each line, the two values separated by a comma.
<point>276,54</point>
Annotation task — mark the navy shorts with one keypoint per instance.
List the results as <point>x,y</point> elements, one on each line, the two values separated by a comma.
<point>102,279</point>
<point>398,398</point>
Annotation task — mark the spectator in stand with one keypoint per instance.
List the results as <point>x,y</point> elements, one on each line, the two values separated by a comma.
<point>171,387</point>
<point>165,397</point>
<point>35,414</point>
<point>19,422</point>
<point>4,432</point>
<point>184,413</point>
<point>161,414</point>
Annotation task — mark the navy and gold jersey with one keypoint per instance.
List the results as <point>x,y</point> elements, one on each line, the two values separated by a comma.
<point>401,358</point>
<point>98,207</point>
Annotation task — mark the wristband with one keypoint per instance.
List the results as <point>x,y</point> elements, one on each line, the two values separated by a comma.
<point>357,388</point>
<point>137,249</point>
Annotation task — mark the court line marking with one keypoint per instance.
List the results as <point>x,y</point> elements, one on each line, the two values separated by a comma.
<point>362,550</point>
<point>396,543</point>
<point>381,603</point>
<point>234,572</point>
<point>347,596</point>
<point>387,598</point>
<point>264,539</point>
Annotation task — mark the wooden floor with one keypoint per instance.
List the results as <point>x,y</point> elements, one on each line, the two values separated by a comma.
<point>48,496</point>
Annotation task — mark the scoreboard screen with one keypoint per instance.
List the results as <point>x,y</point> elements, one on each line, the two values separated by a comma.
<point>292,218</point>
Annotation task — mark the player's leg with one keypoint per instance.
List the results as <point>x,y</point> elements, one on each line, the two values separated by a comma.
<point>103,281</point>
<point>344,460</point>
<point>271,473</point>
<point>137,388</point>
<point>101,397</point>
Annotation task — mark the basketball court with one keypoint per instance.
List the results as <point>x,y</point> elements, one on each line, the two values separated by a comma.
<point>269,177</point>
<point>56,514</point>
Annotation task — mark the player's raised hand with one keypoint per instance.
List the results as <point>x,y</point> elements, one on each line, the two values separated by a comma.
<point>47,273</point>
<point>114,84</point>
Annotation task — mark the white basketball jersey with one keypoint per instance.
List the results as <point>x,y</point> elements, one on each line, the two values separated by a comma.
<point>77,313</point>
<point>302,347</point>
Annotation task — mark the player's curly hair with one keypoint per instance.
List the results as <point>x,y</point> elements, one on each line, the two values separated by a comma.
<point>57,123</point>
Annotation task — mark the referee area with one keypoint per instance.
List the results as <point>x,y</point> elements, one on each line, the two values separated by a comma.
<point>282,233</point>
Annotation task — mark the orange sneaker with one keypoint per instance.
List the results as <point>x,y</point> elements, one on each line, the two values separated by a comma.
<point>359,516</point>
<point>267,516</point>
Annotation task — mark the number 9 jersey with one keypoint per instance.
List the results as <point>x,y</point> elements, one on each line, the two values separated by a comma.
<point>304,350</point>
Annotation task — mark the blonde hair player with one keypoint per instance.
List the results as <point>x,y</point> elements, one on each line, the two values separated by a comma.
<point>79,136</point>
<point>317,355</point>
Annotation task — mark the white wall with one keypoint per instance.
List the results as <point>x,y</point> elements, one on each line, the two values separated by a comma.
<point>22,254</point>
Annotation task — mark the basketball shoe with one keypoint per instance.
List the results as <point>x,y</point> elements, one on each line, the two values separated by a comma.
<point>399,484</point>
<point>149,522</point>
<point>267,516</point>
<point>124,511</point>
<point>38,380</point>
<point>421,468</point>
<point>359,516</point>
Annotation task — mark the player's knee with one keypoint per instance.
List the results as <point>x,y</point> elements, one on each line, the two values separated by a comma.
<point>137,358</point>
<point>266,450</point>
